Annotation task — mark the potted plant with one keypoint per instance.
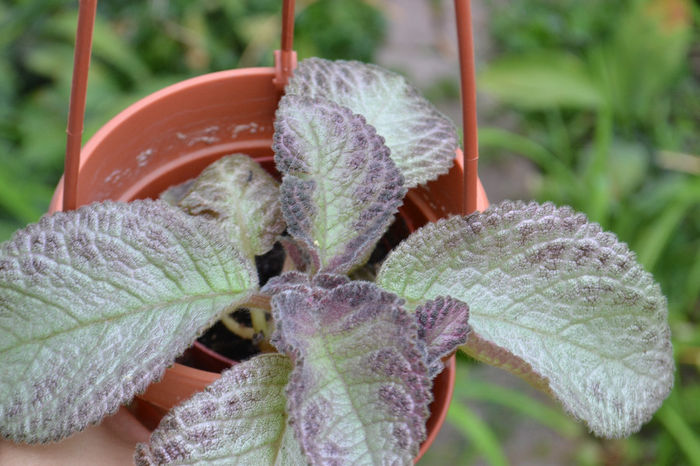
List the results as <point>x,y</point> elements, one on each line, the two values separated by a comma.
<point>175,133</point>
<point>532,288</point>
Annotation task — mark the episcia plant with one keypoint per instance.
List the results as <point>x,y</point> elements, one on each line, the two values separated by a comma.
<point>97,302</point>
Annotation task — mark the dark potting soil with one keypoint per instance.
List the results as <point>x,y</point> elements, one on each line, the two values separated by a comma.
<point>223,341</point>
<point>220,339</point>
<point>270,264</point>
<point>397,232</point>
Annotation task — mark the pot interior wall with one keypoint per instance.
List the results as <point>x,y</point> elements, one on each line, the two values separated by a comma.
<point>182,127</point>
<point>171,135</point>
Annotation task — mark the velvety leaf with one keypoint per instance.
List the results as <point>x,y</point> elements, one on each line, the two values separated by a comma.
<point>294,280</point>
<point>554,298</point>
<point>442,325</point>
<point>421,139</point>
<point>236,190</point>
<point>359,390</point>
<point>96,303</point>
<point>340,189</point>
<point>239,419</point>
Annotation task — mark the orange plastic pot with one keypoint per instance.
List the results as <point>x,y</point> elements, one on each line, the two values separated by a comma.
<point>171,135</point>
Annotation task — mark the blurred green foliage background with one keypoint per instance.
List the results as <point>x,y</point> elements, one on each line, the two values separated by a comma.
<point>603,97</point>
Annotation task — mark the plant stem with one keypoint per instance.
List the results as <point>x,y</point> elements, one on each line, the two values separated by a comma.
<point>259,319</point>
<point>237,328</point>
<point>258,301</point>
<point>258,306</point>
<point>485,351</point>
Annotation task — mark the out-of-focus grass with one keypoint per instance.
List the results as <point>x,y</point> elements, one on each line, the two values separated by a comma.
<point>518,402</point>
<point>602,98</point>
<point>484,441</point>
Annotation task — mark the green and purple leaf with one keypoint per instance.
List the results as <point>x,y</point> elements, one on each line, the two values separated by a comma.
<point>237,191</point>
<point>359,390</point>
<point>422,140</point>
<point>97,302</point>
<point>553,298</point>
<point>442,325</point>
<point>239,419</point>
<point>340,189</point>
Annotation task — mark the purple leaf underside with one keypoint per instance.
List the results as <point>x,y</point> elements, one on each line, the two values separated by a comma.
<point>442,325</point>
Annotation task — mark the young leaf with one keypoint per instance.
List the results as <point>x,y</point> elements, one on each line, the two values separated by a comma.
<point>236,190</point>
<point>359,390</point>
<point>340,188</point>
<point>95,303</point>
<point>421,139</point>
<point>442,325</point>
<point>239,419</point>
<point>174,194</point>
<point>552,295</point>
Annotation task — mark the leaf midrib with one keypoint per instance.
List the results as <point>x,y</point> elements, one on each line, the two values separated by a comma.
<point>475,313</point>
<point>542,334</point>
<point>140,309</point>
<point>325,345</point>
